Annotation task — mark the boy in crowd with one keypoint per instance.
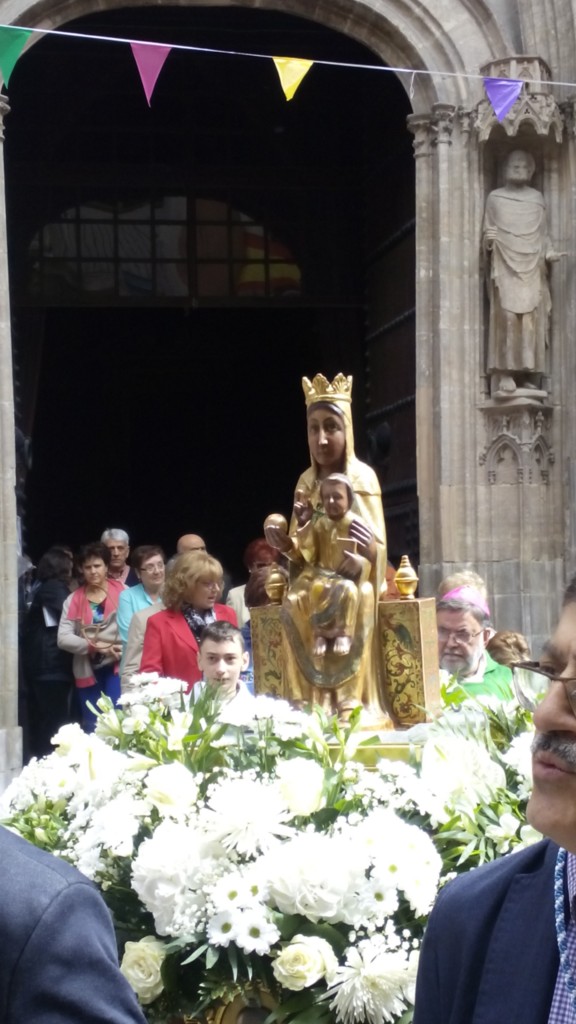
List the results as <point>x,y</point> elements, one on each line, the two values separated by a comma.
<point>222,658</point>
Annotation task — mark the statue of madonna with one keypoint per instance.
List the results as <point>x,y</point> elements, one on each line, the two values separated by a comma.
<point>340,669</point>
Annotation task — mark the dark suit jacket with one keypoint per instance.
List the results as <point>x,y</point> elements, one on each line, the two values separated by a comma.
<point>59,961</point>
<point>489,955</point>
<point>170,647</point>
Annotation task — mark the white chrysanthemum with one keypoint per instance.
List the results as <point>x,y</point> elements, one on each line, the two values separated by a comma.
<point>246,815</point>
<point>301,784</point>
<point>237,713</point>
<point>288,723</point>
<point>172,789</point>
<point>222,927</point>
<point>150,688</point>
<point>313,874</point>
<point>371,986</point>
<point>375,900</point>
<point>459,774</point>
<point>254,932</point>
<point>49,780</point>
<point>112,829</point>
<point>231,891</point>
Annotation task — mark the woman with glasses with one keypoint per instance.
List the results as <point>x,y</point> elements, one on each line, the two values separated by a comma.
<point>148,562</point>
<point>191,591</point>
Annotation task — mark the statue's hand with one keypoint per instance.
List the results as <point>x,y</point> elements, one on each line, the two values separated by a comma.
<point>366,541</point>
<point>351,565</point>
<point>303,509</point>
<point>552,256</point>
<point>490,235</point>
<point>277,538</point>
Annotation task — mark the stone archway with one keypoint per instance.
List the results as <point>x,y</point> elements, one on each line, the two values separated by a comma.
<point>451,40</point>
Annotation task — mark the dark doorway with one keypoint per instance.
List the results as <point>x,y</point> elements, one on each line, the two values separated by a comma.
<point>166,408</point>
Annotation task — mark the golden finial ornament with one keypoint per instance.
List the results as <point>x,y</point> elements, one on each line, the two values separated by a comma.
<point>320,389</point>
<point>406,579</point>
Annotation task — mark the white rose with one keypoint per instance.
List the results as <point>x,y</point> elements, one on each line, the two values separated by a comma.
<point>171,787</point>
<point>304,962</point>
<point>301,784</point>
<point>142,967</point>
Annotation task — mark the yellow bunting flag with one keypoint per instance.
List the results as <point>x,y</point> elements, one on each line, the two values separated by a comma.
<point>291,71</point>
<point>12,42</point>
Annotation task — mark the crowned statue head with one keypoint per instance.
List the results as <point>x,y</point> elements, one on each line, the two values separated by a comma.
<point>329,419</point>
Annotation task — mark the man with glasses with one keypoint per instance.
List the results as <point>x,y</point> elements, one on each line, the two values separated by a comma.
<point>501,942</point>
<point>463,622</point>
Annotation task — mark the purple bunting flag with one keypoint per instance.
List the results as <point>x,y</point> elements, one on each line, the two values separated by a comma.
<point>150,59</point>
<point>503,93</point>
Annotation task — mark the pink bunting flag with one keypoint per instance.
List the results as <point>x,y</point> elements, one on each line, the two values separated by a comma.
<point>503,93</point>
<point>149,59</point>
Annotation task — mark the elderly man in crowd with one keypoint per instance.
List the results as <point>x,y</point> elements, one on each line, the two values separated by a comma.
<point>118,544</point>
<point>464,628</point>
<point>501,942</point>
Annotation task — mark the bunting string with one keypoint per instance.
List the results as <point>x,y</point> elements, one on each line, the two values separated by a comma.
<point>150,68</point>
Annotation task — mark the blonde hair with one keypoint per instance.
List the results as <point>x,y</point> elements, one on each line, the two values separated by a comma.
<point>184,571</point>
<point>465,578</point>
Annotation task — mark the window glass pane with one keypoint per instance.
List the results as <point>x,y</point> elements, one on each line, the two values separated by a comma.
<point>212,280</point>
<point>171,241</point>
<point>136,279</point>
<point>134,241</point>
<point>172,278</point>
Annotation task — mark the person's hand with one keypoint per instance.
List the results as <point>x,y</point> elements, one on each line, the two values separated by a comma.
<point>364,536</point>
<point>303,509</point>
<point>116,651</point>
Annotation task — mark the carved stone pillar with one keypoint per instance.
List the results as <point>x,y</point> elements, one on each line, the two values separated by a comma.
<point>447,360</point>
<point>10,733</point>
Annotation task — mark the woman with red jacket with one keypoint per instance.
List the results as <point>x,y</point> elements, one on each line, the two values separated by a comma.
<point>171,642</point>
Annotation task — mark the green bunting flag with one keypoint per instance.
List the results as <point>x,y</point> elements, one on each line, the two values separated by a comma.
<point>12,42</point>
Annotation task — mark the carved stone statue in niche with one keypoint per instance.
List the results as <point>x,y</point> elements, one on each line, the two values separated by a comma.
<point>518,251</point>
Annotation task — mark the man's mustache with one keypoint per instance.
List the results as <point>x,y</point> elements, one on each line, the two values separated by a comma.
<point>553,744</point>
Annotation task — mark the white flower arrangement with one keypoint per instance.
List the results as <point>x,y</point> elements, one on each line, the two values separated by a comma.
<point>246,849</point>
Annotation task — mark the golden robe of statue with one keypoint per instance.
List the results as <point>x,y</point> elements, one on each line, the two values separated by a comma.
<point>338,682</point>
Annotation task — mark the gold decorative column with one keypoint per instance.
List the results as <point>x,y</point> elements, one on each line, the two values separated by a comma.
<point>409,649</point>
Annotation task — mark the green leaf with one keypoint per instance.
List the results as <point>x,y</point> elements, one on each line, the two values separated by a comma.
<point>197,953</point>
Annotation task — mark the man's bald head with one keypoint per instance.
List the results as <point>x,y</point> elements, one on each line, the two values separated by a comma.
<point>190,542</point>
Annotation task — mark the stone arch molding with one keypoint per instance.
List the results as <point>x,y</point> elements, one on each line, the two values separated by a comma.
<point>454,36</point>
<point>520,451</point>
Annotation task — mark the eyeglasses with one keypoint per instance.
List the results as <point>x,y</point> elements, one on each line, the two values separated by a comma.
<point>152,568</point>
<point>210,584</point>
<point>532,683</point>
<point>461,636</point>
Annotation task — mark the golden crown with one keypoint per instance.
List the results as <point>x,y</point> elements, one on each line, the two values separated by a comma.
<point>321,390</point>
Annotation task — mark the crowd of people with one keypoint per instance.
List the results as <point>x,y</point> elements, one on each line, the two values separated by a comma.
<point>94,619</point>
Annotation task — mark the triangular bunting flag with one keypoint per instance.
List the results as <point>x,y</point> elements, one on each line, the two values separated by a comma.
<point>503,93</point>
<point>12,42</point>
<point>150,59</point>
<point>291,71</point>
